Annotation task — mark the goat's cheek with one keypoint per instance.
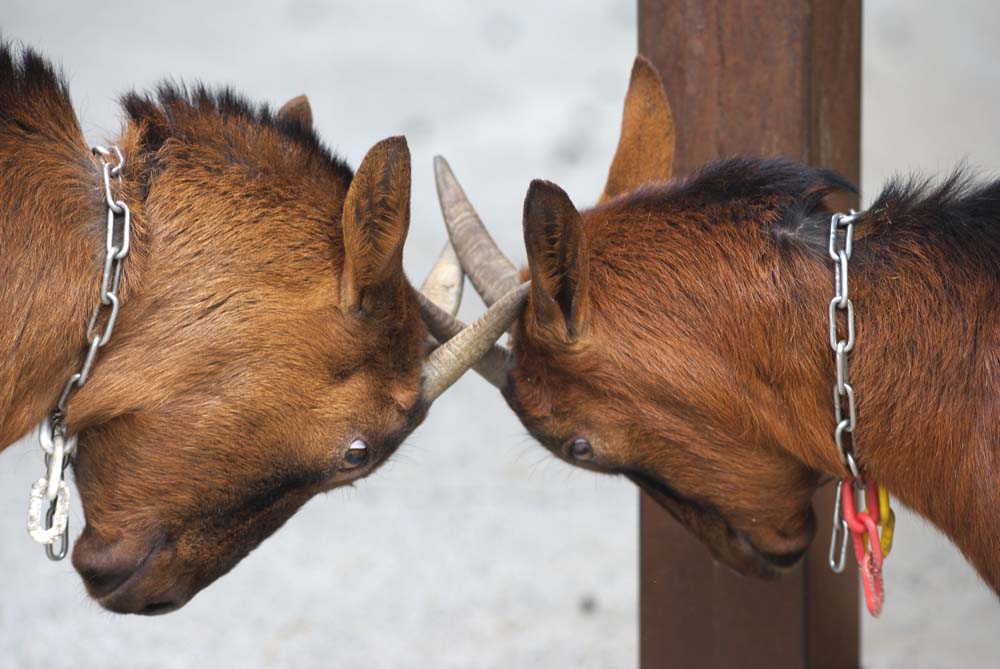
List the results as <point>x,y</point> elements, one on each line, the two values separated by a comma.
<point>775,515</point>
<point>95,472</point>
<point>124,486</point>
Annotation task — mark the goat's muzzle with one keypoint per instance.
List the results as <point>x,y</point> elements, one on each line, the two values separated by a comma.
<point>735,548</point>
<point>122,574</point>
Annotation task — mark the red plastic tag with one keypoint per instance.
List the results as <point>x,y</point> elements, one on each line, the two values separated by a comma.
<point>871,580</point>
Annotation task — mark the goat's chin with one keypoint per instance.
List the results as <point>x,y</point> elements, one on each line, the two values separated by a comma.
<point>748,560</point>
<point>143,573</point>
<point>124,574</point>
<point>733,548</point>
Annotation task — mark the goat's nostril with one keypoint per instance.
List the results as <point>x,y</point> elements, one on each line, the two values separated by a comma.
<point>106,567</point>
<point>101,582</point>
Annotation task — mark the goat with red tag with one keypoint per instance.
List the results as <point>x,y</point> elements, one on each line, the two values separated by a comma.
<point>677,334</point>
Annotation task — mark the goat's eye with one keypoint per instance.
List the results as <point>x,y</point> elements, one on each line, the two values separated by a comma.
<point>581,449</point>
<point>357,454</point>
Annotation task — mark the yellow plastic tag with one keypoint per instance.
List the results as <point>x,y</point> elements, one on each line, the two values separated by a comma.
<point>886,520</point>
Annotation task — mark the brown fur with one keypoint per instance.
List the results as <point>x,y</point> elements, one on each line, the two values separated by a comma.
<point>646,147</point>
<point>237,375</point>
<point>297,110</point>
<point>695,359</point>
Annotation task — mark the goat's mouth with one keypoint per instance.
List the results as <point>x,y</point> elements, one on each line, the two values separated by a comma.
<point>125,576</point>
<point>732,547</point>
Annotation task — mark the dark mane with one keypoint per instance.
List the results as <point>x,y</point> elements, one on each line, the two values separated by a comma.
<point>749,178</point>
<point>786,198</point>
<point>166,112</point>
<point>795,190</point>
<point>34,96</point>
<point>962,210</point>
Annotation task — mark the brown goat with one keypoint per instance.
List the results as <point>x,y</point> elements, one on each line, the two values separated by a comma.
<point>269,346</point>
<point>676,333</point>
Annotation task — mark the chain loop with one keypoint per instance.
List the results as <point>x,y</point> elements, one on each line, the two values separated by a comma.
<point>840,249</point>
<point>848,519</point>
<point>840,536</point>
<point>52,438</point>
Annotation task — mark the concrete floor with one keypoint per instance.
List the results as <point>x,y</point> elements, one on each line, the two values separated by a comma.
<point>473,548</point>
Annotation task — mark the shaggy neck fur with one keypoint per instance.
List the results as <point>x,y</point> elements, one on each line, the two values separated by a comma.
<point>51,237</point>
<point>53,218</point>
<point>740,252</point>
<point>926,284</point>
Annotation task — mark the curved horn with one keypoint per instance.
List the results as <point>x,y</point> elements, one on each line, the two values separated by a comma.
<point>443,285</point>
<point>491,273</point>
<point>496,362</point>
<point>450,360</point>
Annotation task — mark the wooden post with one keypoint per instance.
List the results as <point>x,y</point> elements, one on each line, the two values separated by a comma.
<point>763,77</point>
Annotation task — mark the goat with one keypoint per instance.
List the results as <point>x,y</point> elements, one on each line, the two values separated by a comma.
<point>676,333</point>
<point>269,346</point>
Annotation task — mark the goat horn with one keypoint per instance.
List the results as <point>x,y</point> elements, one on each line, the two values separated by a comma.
<point>469,344</point>
<point>443,285</point>
<point>496,362</point>
<point>489,270</point>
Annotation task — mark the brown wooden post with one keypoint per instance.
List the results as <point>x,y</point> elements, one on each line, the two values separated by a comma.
<point>764,77</point>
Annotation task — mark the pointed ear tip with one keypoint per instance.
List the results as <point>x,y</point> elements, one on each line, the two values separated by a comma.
<point>544,186</point>
<point>300,103</point>
<point>643,69</point>
<point>534,187</point>
<point>391,148</point>
<point>544,196</point>
<point>393,142</point>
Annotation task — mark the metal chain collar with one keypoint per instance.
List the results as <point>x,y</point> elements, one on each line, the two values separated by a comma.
<point>843,392</point>
<point>840,248</point>
<point>52,437</point>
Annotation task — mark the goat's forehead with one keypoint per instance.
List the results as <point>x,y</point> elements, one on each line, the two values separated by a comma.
<point>263,164</point>
<point>614,368</point>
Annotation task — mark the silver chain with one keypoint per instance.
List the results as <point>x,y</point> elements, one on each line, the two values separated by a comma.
<point>840,248</point>
<point>843,392</point>
<point>52,436</point>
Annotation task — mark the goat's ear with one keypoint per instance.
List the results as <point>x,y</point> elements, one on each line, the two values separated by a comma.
<point>148,120</point>
<point>376,219</point>
<point>646,146</point>
<point>557,258</point>
<point>297,111</point>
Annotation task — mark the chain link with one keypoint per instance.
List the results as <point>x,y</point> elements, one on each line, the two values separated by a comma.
<point>52,437</point>
<point>841,535</point>
<point>840,249</point>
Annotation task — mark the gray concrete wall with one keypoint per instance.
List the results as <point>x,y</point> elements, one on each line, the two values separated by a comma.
<point>473,547</point>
